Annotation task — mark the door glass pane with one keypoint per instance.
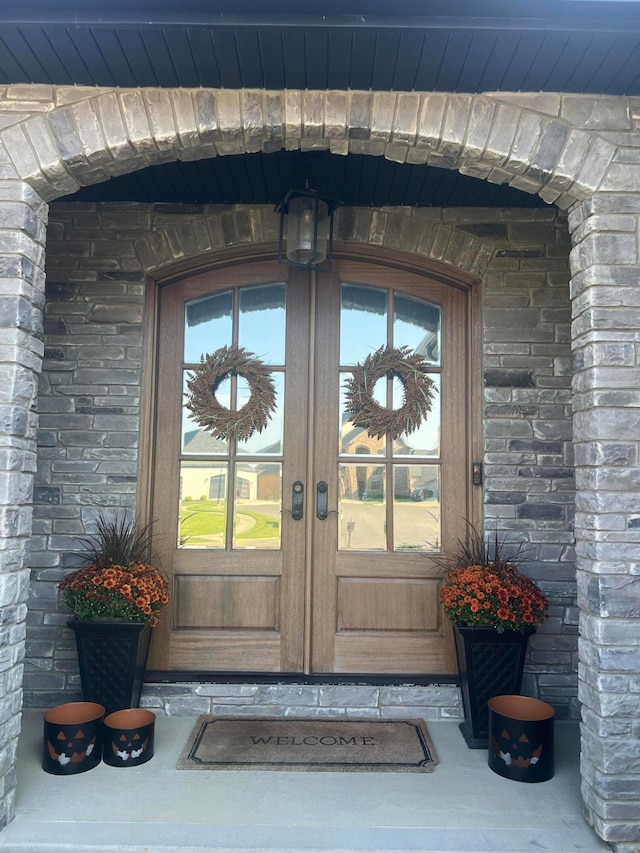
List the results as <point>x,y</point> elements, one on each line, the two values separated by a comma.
<point>425,441</point>
<point>203,504</point>
<point>415,512</point>
<point>254,318</point>
<point>355,440</point>
<point>257,505</point>
<point>261,324</point>
<point>416,324</point>
<point>208,325</point>
<point>361,508</point>
<point>196,439</point>
<point>269,441</point>
<point>363,322</point>
<point>416,508</point>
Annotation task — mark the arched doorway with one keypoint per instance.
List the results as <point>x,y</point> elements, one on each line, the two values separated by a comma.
<point>287,552</point>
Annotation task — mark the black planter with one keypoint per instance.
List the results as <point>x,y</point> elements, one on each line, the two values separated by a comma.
<point>521,735</point>
<point>490,664</point>
<point>112,656</point>
<point>72,738</point>
<point>128,737</point>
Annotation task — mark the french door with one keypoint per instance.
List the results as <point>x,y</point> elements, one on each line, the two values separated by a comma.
<point>307,548</point>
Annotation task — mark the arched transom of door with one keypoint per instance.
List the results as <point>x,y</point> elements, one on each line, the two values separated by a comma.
<point>308,547</point>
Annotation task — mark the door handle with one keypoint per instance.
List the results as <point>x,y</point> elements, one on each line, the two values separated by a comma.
<point>297,501</point>
<point>322,500</point>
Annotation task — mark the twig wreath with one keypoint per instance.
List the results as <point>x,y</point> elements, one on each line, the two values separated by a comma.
<point>418,392</point>
<point>204,381</point>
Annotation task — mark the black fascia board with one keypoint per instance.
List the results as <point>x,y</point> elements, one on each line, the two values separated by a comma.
<point>468,15</point>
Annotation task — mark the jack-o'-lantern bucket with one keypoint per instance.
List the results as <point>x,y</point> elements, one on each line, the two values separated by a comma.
<point>128,737</point>
<point>72,738</point>
<point>521,738</point>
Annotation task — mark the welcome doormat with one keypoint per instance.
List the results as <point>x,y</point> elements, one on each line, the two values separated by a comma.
<point>291,743</point>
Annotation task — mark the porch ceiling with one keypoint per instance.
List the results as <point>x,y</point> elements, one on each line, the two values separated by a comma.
<point>265,179</point>
<point>442,45</point>
<point>582,46</point>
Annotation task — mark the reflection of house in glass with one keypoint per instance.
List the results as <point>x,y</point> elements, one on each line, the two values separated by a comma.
<point>200,442</point>
<point>418,324</point>
<point>207,478</point>
<point>360,481</point>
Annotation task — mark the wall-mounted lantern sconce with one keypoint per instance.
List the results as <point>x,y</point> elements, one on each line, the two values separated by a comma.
<point>306,229</point>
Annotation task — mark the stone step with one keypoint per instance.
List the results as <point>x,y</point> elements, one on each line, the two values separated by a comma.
<point>94,837</point>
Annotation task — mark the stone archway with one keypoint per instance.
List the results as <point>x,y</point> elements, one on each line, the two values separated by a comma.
<point>581,159</point>
<point>397,229</point>
<point>85,136</point>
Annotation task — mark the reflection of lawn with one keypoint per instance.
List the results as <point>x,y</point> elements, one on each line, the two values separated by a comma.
<point>264,527</point>
<point>207,518</point>
<point>201,518</point>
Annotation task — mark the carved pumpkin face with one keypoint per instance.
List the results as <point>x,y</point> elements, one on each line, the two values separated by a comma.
<point>128,737</point>
<point>72,745</point>
<point>128,745</point>
<point>515,748</point>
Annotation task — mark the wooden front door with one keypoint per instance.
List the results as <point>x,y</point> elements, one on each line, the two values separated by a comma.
<point>307,547</point>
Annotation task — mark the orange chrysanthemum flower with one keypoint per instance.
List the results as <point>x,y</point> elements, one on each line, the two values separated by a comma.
<point>496,595</point>
<point>135,592</point>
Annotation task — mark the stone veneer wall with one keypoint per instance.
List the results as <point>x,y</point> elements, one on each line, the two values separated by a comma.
<point>97,259</point>
<point>23,218</point>
<point>605,262</point>
<point>430,702</point>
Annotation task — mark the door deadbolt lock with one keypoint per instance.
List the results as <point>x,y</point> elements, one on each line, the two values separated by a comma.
<point>322,500</point>
<point>297,500</point>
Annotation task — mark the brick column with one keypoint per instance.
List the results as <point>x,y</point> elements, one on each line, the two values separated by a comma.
<point>606,396</point>
<point>22,240</point>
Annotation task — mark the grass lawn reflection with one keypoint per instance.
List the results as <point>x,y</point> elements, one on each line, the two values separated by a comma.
<point>202,524</point>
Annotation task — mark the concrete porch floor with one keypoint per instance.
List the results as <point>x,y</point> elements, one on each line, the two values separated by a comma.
<point>461,806</point>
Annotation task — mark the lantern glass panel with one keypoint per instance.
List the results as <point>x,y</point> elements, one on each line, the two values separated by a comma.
<point>307,236</point>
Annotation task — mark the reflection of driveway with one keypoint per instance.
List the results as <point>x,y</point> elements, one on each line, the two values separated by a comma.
<point>244,523</point>
<point>269,508</point>
<point>362,526</point>
<point>415,524</point>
